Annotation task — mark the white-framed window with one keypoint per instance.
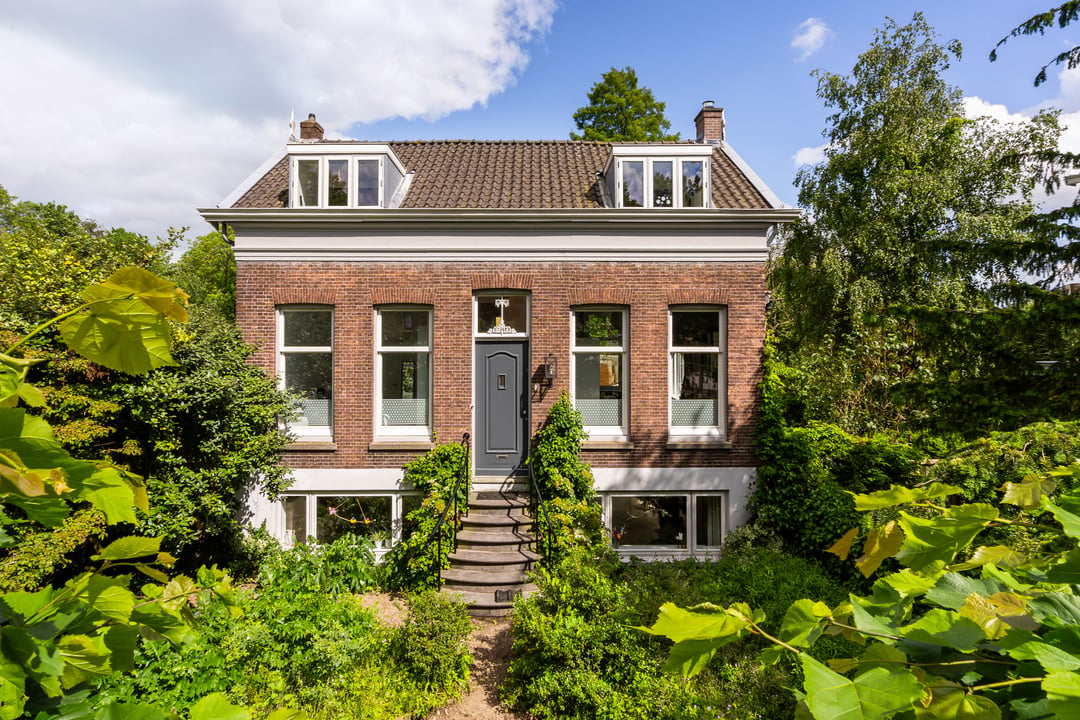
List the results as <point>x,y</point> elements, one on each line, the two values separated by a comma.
<point>403,371</point>
<point>697,370</point>
<point>501,314</point>
<point>599,372</point>
<point>305,339</point>
<point>691,522</point>
<point>337,181</point>
<point>663,182</point>
<point>325,517</point>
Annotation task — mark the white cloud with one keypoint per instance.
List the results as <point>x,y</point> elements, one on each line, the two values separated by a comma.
<point>811,36</point>
<point>810,155</point>
<point>134,113</point>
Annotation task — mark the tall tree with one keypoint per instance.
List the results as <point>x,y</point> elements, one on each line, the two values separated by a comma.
<point>620,111</point>
<point>902,217</point>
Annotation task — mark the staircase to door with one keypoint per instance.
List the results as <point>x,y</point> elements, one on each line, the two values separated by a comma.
<point>488,568</point>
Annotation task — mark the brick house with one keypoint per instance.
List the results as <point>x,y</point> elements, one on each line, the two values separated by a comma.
<point>414,291</point>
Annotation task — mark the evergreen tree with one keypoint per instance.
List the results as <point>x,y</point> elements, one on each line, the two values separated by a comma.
<point>620,111</point>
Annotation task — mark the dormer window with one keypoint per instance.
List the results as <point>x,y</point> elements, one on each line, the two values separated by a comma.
<point>645,180</point>
<point>338,176</point>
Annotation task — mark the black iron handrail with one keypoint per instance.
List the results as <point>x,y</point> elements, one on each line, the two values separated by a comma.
<point>543,508</point>
<point>436,535</point>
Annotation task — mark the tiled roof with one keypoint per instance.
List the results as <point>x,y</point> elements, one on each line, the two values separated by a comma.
<point>509,174</point>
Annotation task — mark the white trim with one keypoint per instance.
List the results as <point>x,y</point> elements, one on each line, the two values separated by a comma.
<point>351,148</point>
<point>388,432</point>
<point>753,177</point>
<point>648,161</point>
<point>719,430</point>
<point>427,256</point>
<point>347,480</point>
<point>659,149</point>
<point>250,180</point>
<point>305,431</point>
<point>604,432</point>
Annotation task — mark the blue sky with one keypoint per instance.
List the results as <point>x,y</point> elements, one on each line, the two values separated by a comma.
<point>135,113</point>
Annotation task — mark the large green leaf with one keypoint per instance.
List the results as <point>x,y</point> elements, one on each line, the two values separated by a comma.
<point>1063,691</point>
<point>160,294</point>
<point>945,628</point>
<point>1029,492</point>
<point>697,635</point>
<point>1056,606</point>
<point>804,622</point>
<point>900,495</point>
<point>130,548</point>
<point>1070,522</point>
<point>12,689</point>
<point>939,539</point>
<point>129,711</point>
<point>121,641</point>
<point>955,703</point>
<point>107,489</point>
<point>12,374</point>
<point>287,714</point>
<point>117,342</point>
<point>1067,571</point>
<point>84,658</point>
<point>110,596</point>
<point>881,544</point>
<point>999,555</point>
<point>1052,659</point>
<point>216,706</point>
<point>952,589</point>
<point>873,695</point>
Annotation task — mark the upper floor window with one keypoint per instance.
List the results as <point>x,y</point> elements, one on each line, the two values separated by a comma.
<point>697,370</point>
<point>403,368</point>
<point>599,369</point>
<point>306,365</point>
<point>337,181</point>
<point>663,182</point>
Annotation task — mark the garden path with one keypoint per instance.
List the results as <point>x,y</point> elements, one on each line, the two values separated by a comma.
<point>490,645</point>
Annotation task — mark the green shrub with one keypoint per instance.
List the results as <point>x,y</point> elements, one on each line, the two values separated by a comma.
<point>433,643</point>
<point>411,562</point>
<point>346,565</point>
<point>573,515</point>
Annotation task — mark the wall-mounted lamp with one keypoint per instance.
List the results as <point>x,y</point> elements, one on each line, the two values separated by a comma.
<point>551,369</point>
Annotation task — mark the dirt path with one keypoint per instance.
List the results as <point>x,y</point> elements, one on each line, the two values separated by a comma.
<point>490,645</point>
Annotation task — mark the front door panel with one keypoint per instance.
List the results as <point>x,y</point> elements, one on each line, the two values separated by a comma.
<point>502,407</point>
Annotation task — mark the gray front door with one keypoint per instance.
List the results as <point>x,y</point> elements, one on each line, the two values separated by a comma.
<point>502,407</point>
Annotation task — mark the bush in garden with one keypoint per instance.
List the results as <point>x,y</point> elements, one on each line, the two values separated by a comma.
<point>411,562</point>
<point>573,515</point>
<point>433,643</point>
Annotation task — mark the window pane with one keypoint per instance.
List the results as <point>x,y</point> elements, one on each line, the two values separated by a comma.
<point>295,519</point>
<point>409,504</point>
<point>405,328</point>
<point>307,172</point>
<point>709,521</point>
<point>695,329</point>
<point>598,328</point>
<point>338,187</point>
<point>367,516</point>
<point>367,183</point>
<point>501,314</point>
<point>406,388</point>
<point>308,328</point>
<point>633,184</point>
<point>311,375</point>
<point>649,520</point>
<point>695,388</point>
<point>693,183</point>
<point>598,388</point>
<point>661,191</point>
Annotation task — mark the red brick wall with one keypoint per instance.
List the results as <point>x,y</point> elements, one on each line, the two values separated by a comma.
<point>647,288</point>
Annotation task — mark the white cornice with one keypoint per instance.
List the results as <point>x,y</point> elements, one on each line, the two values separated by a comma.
<point>662,150</point>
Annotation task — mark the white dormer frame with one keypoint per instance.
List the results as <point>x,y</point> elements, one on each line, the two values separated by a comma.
<point>323,154</point>
<point>676,155</point>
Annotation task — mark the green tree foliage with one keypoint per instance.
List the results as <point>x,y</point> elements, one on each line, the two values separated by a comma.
<point>896,295</point>
<point>962,630</point>
<point>1062,15</point>
<point>207,272</point>
<point>620,111</point>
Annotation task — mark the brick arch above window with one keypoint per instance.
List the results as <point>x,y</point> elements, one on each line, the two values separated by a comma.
<point>402,296</point>
<point>304,296</point>
<point>501,281</point>
<point>600,296</point>
<point>699,296</point>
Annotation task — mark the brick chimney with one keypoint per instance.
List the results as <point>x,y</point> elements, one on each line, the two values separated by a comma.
<point>709,123</point>
<point>310,129</point>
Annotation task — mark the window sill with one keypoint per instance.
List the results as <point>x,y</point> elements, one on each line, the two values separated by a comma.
<point>418,444</point>
<point>686,442</point>
<point>311,446</point>
<point>607,444</point>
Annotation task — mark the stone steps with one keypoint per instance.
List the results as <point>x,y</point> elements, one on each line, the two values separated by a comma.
<point>488,568</point>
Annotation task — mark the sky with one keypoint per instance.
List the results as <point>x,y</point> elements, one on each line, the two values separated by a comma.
<point>136,113</point>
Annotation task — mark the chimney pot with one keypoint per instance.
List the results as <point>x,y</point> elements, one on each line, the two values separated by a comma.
<point>709,123</point>
<point>310,129</point>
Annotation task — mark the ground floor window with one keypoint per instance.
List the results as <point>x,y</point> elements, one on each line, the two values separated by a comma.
<point>325,518</point>
<point>685,521</point>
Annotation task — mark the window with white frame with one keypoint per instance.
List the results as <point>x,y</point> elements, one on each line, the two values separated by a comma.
<point>306,366</point>
<point>682,521</point>
<point>325,518</point>
<point>598,345</point>
<point>663,182</point>
<point>697,370</point>
<point>348,182</point>
<point>403,371</point>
